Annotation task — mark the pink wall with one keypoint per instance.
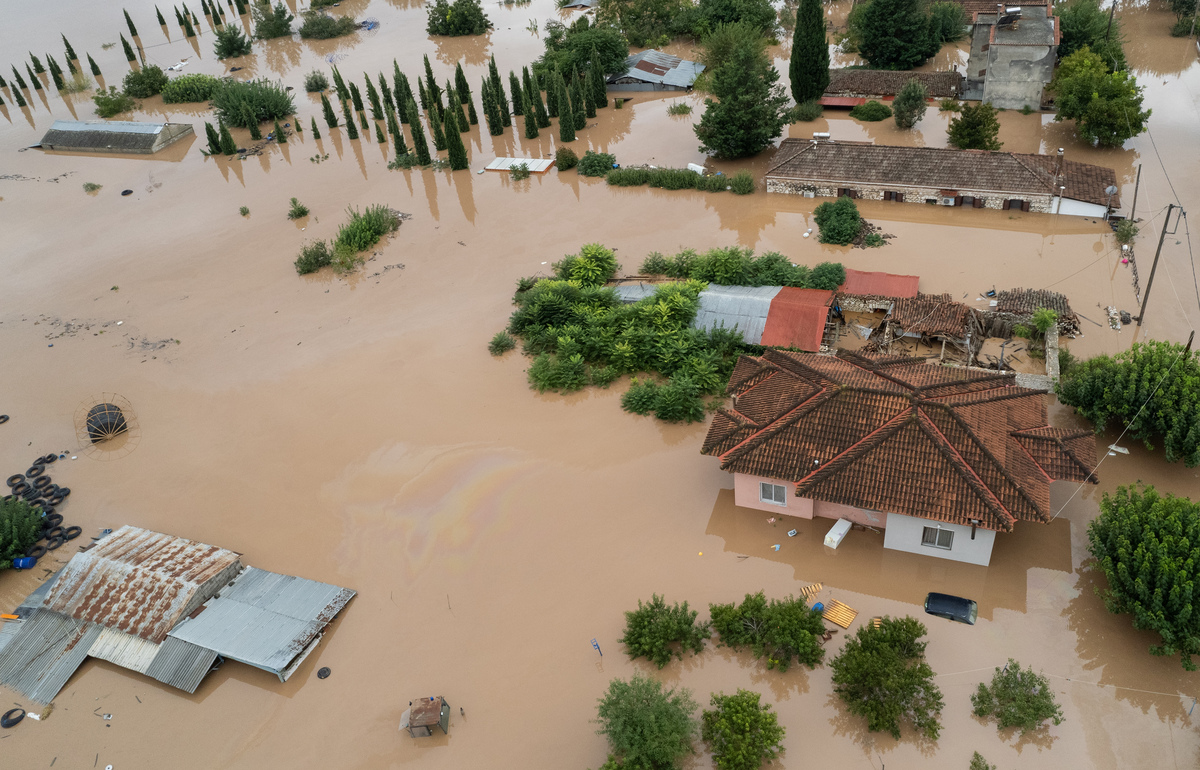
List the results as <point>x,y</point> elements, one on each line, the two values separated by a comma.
<point>746,495</point>
<point>857,515</point>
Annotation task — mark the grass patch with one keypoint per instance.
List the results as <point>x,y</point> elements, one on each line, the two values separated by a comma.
<point>501,343</point>
<point>806,112</point>
<point>190,88</point>
<point>77,83</point>
<point>667,179</point>
<point>742,183</point>
<point>680,108</point>
<point>405,161</point>
<point>249,103</point>
<point>297,210</point>
<point>365,229</point>
<point>318,26</point>
<point>112,102</point>
<point>315,82</point>
<point>91,187</point>
<point>244,211</point>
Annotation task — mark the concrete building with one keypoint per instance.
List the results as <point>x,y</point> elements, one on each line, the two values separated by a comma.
<point>939,458</point>
<point>942,176</point>
<point>656,71</point>
<point>1013,51</point>
<point>116,136</point>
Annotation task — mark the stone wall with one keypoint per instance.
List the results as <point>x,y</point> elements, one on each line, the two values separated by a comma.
<point>1039,202</point>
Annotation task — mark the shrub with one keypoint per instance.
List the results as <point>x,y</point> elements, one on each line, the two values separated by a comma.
<point>658,633</point>
<point>1066,361</point>
<point>244,211</point>
<point>647,726</point>
<point>1017,698</point>
<point>190,88</point>
<point>318,26</point>
<point>874,240</point>
<point>91,187</point>
<point>950,104</point>
<point>655,264</point>
<point>365,229</point>
<point>249,103</point>
<point>909,105</point>
<point>462,17</point>
<point>145,82</point>
<point>806,112</point>
<point>976,128</point>
<point>231,42</point>
<point>1184,26</point>
<point>979,763</point>
<point>113,102</point>
<point>519,172</point>
<point>501,343</point>
<point>740,732</point>
<point>315,81</point>
<point>20,525</point>
<point>680,108</point>
<point>641,397</point>
<point>742,183</point>
<point>839,221</point>
<point>565,158</point>
<point>297,210</point>
<point>77,83</point>
<point>271,21</point>
<point>596,163</point>
<point>872,111</point>
<point>345,258</point>
<point>1126,231</point>
<point>313,256</point>
<point>779,630</point>
<point>947,22</point>
<point>679,401</point>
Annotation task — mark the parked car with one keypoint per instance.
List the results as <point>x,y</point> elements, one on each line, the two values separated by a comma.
<point>953,608</point>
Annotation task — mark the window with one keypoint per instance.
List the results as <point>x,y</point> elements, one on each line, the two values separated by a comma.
<point>934,537</point>
<point>775,494</point>
<point>847,192</point>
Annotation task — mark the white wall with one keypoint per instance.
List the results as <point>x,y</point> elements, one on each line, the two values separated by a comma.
<point>1075,208</point>
<point>904,534</point>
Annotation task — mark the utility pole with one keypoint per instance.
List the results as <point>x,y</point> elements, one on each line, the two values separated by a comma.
<point>1149,283</point>
<point>1136,185</point>
<point>1112,9</point>
<point>1188,350</point>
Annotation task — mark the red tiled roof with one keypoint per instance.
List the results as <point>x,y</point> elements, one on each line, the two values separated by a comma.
<point>797,318</point>
<point>867,284</point>
<point>934,314</point>
<point>842,101</point>
<point>893,434</point>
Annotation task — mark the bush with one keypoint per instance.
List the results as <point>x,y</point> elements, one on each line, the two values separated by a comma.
<point>1017,698</point>
<point>976,128</point>
<point>345,258</point>
<point>20,526</point>
<point>77,83</point>
<point>270,21</point>
<point>641,397</point>
<point>806,112</point>
<point>113,102</point>
<point>313,256</point>
<point>297,210</point>
<point>979,763</point>
<point>462,17</point>
<point>742,183</point>
<point>231,42</point>
<point>565,158</point>
<point>874,240</point>
<point>658,633</point>
<point>519,172</point>
<point>839,221</point>
<point>1183,26</point>
<point>680,108</point>
<point>655,264</point>
<point>365,229</point>
<point>950,104</point>
<point>318,26</point>
<point>909,105</point>
<point>190,88</point>
<point>1126,231</point>
<point>315,82</point>
<point>779,630</point>
<point>1066,361</point>
<point>146,82</point>
<point>596,163</point>
<point>91,187</point>
<point>249,103</point>
<point>244,211</point>
<point>740,732</point>
<point>871,112</point>
<point>947,22</point>
<point>667,179</point>
<point>501,343</point>
<point>646,726</point>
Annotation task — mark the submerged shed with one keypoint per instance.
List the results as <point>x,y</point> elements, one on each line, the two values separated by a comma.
<point>120,136</point>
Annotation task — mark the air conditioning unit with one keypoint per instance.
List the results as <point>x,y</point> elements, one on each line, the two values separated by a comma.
<point>946,202</point>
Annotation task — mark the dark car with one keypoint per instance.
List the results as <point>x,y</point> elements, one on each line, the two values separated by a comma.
<point>953,608</point>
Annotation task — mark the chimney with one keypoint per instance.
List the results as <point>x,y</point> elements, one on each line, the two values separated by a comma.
<point>1058,165</point>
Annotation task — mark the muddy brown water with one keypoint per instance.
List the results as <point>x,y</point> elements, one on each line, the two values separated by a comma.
<point>356,431</point>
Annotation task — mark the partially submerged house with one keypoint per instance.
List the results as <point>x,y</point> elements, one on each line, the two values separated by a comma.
<point>165,607</point>
<point>874,291</point>
<point>656,71</point>
<point>1013,51</point>
<point>941,176</point>
<point>116,136</point>
<point>940,458</point>
<point>851,87</point>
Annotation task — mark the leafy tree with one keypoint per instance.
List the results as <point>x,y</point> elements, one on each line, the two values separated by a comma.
<point>740,732</point>
<point>881,674</point>
<point>947,20</point>
<point>975,128</point>
<point>597,82</point>
<point>228,146</point>
<point>909,105</point>
<point>462,17</point>
<point>1106,106</point>
<point>809,69</point>
<point>979,763</point>
<point>230,41</point>
<point>647,23</point>
<point>894,34</point>
<point>145,82</point>
<point>758,14</point>
<point>749,109</point>
<point>270,22</point>
<point>1149,549</point>
<point>838,221</point>
<point>779,630</point>
<point>19,528</point>
<point>573,47</point>
<point>647,726</point>
<point>1152,390</point>
<point>1083,23</point>
<point>1017,698</point>
<point>653,630</point>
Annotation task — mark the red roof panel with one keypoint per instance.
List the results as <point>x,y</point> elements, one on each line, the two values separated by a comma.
<point>879,284</point>
<point>797,318</point>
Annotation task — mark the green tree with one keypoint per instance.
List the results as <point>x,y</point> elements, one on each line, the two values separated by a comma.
<point>881,674</point>
<point>597,81</point>
<point>531,126</point>
<point>759,14</point>
<point>431,86</point>
<point>404,94</point>
<point>566,113</point>
<point>462,17</point>
<point>70,51</point>
<point>316,131</point>
<point>270,22</point>
<point>129,55</point>
<point>95,67</point>
<point>894,34</point>
<point>228,146</point>
<point>909,105</point>
<point>658,632</point>
<point>229,41</point>
<point>373,99</point>
<point>809,69</point>
<point>1152,390</point>
<point>19,529</point>
<point>327,108</point>
<point>573,47</point>
<point>646,725</point>
<point>514,87</point>
<point>351,129</point>
<point>749,109</point>
<point>436,121</point>
<point>214,139</point>
<point>158,13</point>
<point>355,97</point>
<point>1106,106</point>
<point>1017,698</point>
<point>460,84</point>
<point>741,732</point>
<point>975,128</point>
<point>838,221</point>
<point>1083,23</point>
<point>129,21</point>
<point>979,763</point>
<point>397,135</point>
<point>420,146</point>
<point>1148,547</point>
<point>778,630</point>
<point>579,105</point>
<point>280,136</point>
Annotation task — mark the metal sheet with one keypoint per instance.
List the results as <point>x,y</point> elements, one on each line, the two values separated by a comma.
<point>125,650</point>
<point>634,292</point>
<point>44,653</point>
<point>108,126</point>
<point>660,68</point>
<point>743,307</point>
<point>181,664</point>
<point>536,165</point>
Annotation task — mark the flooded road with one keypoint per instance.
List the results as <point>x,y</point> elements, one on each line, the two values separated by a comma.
<point>356,431</point>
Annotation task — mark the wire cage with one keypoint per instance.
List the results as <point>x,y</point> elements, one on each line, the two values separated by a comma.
<point>106,426</point>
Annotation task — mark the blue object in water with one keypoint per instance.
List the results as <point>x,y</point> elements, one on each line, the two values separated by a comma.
<point>25,562</point>
<point>819,607</point>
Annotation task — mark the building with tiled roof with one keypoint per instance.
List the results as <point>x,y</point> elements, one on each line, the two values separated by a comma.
<point>940,458</point>
<point>945,176</point>
<point>850,87</point>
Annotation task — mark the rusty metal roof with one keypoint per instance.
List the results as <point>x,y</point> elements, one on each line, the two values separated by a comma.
<point>141,582</point>
<point>661,68</point>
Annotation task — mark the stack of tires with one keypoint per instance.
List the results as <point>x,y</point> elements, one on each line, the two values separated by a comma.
<point>35,487</point>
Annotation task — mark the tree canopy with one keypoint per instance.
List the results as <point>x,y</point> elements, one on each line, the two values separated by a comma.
<point>881,675</point>
<point>779,630</point>
<point>462,17</point>
<point>909,105</point>
<point>741,732</point>
<point>1148,546</point>
<point>570,48</point>
<point>838,221</point>
<point>1017,697</point>
<point>648,727</point>
<point>809,68</point>
<point>894,34</point>
<point>659,632</point>
<point>1106,106</point>
<point>19,527</point>
<point>975,128</point>
<point>749,108</point>
<point>1083,23</point>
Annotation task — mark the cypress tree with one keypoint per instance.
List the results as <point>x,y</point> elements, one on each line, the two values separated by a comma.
<point>1,101</point>
<point>188,29</point>
<point>435,128</point>
<point>255,131</point>
<point>71,66</point>
<point>386,91</point>
<point>397,135</point>
<point>228,146</point>
<point>420,146</point>
<point>373,99</point>
<point>577,104</point>
<point>494,77</point>
<point>518,99</point>
<point>214,139</point>
<point>431,84</point>
<point>457,151</point>
<point>330,117</point>
<point>552,93</point>
<point>598,84</point>
<point>280,137</point>
<point>585,89</point>
<point>351,129</point>
<point>460,84</point>
<point>340,84</point>
<point>490,113</point>
<point>70,51</point>
<point>379,137</point>
<point>204,8</point>
<point>37,84</point>
<point>362,122</point>
<point>129,56</point>
<point>404,95</point>
<point>472,116</point>
<point>356,97</point>
<point>539,108</point>
<point>526,83</point>
<point>19,97</point>
<point>53,65</point>
<point>809,67</point>
<point>316,131</point>
<point>95,68</point>
<point>295,120</point>
<point>424,95</point>
<point>2,82</point>
<point>531,129</point>
<point>501,99</point>
<point>158,13</point>
<point>129,21</point>
<point>178,17</point>
<point>566,115</point>
<point>455,104</point>
<point>37,64</point>
<point>241,7</point>
<point>56,76</point>
<point>17,76</point>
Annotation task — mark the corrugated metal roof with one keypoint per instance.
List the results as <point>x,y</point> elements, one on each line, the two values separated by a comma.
<point>634,292</point>
<point>125,650</point>
<point>663,68</point>
<point>743,307</point>
<point>108,126</point>
<point>879,284</point>
<point>43,654</point>
<point>141,582</point>
<point>536,165</point>
<point>181,664</point>
<point>264,619</point>
<point>797,318</point>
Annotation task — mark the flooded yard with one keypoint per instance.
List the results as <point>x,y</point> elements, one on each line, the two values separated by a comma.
<point>356,431</point>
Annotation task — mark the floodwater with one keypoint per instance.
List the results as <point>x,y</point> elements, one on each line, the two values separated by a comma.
<point>356,431</point>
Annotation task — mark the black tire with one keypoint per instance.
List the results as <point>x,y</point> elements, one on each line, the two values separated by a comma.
<point>52,520</point>
<point>54,532</point>
<point>40,504</point>
<point>20,488</point>
<point>31,494</point>
<point>3,418</point>
<point>51,490</point>
<point>41,482</point>
<point>15,479</point>
<point>48,511</point>
<point>62,492</point>
<point>70,533</point>
<point>9,720</point>
<point>54,543</point>
<point>50,458</point>
<point>35,470</point>
<point>35,551</point>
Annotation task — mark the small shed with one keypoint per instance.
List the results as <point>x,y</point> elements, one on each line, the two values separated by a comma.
<point>424,714</point>
<point>535,165</point>
<point>656,71</point>
<point>119,136</point>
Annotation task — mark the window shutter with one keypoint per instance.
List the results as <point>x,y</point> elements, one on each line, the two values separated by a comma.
<point>958,199</point>
<point>978,203</point>
<point>1006,204</point>
<point>945,538</point>
<point>899,197</point>
<point>929,536</point>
